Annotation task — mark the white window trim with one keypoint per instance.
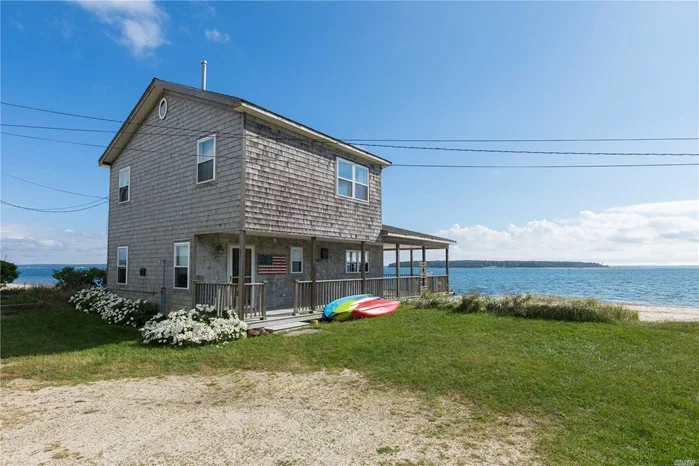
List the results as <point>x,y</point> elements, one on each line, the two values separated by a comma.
<point>291,261</point>
<point>126,275</point>
<point>128,198</point>
<point>352,181</point>
<point>175,267</point>
<point>162,117</point>
<point>214,160</point>
<point>359,254</point>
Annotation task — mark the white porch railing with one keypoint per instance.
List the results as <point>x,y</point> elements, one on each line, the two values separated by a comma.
<point>410,286</point>
<point>225,295</point>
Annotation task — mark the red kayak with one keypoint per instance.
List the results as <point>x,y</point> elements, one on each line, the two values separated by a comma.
<point>375,308</point>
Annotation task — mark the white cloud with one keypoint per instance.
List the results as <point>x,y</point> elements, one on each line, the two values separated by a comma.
<point>140,23</point>
<point>656,233</point>
<point>17,24</point>
<point>25,244</point>
<point>215,35</point>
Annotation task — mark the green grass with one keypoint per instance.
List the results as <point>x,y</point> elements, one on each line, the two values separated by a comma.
<point>599,393</point>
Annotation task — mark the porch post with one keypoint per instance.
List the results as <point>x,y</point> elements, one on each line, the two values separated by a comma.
<point>424,277</point>
<point>193,268</point>
<point>314,289</point>
<point>446,256</point>
<point>397,271</point>
<point>411,262</point>
<point>242,252</point>
<point>363,252</point>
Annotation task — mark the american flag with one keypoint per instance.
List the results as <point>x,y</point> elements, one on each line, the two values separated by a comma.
<point>271,264</point>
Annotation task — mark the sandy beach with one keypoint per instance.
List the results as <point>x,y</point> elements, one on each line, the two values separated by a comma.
<point>665,314</point>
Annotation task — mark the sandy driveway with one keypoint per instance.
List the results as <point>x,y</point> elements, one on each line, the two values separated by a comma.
<point>250,418</point>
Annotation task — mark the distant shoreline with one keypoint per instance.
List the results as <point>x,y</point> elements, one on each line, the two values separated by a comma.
<point>481,264</point>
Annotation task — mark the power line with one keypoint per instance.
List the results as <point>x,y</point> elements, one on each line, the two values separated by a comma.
<point>50,187</point>
<point>552,166</point>
<point>497,151</point>
<point>238,135</point>
<point>57,210</point>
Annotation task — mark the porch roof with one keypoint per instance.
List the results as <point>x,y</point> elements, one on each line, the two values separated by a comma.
<point>409,239</point>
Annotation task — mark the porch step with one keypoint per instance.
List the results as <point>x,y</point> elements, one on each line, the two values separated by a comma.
<point>286,327</point>
<point>280,313</point>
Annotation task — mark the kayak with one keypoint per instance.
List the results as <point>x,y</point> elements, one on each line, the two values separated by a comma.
<point>361,305</point>
<point>375,308</point>
<point>341,309</point>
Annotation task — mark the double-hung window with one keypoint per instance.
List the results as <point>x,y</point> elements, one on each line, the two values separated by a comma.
<point>206,159</point>
<point>353,261</point>
<point>352,180</point>
<point>124,184</point>
<point>122,265</point>
<point>296,260</point>
<point>181,269</point>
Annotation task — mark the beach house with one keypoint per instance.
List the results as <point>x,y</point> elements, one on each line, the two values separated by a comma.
<point>213,198</point>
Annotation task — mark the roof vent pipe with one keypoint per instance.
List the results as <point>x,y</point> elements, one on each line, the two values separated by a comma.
<point>203,75</point>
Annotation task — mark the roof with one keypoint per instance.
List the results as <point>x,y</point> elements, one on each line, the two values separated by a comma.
<point>402,236</point>
<point>156,88</point>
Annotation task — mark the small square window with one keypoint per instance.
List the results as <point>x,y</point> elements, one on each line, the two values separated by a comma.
<point>352,180</point>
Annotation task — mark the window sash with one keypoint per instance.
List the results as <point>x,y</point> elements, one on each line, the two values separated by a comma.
<point>180,272</point>
<point>353,262</point>
<point>296,260</point>
<point>122,265</point>
<point>352,182</point>
<point>125,184</point>
<point>205,156</point>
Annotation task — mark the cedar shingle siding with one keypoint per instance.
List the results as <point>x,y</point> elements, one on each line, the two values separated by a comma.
<point>290,188</point>
<point>166,203</point>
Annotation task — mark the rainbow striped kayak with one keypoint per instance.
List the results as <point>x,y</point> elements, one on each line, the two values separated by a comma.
<point>360,305</point>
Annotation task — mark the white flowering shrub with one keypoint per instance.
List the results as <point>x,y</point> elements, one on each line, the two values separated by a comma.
<point>197,326</point>
<point>113,308</point>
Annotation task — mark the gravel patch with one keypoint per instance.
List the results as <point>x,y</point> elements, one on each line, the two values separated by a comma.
<point>251,418</point>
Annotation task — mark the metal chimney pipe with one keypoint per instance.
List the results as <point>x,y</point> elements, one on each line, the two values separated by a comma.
<point>203,75</point>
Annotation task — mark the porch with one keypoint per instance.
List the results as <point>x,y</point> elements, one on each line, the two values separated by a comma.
<point>318,272</point>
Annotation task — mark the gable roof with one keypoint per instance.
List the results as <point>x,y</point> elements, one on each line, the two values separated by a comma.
<point>156,88</point>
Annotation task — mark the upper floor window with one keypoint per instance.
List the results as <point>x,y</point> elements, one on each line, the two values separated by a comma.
<point>296,260</point>
<point>122,265</point>
<point>181,269</point>
<point>352,180</point>
<point>206,159</point>
<point>125,184</point>
<point>353,261</point>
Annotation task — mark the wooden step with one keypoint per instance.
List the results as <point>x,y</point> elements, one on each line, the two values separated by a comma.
<point>286,327</point>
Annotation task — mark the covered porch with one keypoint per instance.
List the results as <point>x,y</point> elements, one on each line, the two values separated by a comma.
<point>308,273</point>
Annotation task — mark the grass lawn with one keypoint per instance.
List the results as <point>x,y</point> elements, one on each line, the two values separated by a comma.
<point>612,393</point>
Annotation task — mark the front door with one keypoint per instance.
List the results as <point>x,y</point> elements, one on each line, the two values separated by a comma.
<point>233,269</point>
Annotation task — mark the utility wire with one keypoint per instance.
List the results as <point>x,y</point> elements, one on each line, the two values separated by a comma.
<point>53,211</point>
<point>50,187</point>
<point>552,166</point>
<point>404,147</point>
<point>238,135</point>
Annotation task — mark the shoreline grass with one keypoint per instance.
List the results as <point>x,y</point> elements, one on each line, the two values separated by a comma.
<point>599,393</point>
<point>529,306</point>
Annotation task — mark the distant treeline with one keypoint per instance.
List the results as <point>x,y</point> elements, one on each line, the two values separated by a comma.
<point>470,264</point>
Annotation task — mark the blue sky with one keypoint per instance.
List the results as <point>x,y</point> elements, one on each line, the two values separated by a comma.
<point>386,70</point>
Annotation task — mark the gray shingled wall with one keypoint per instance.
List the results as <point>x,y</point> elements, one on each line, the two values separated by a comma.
<point>280,288</point>
<point>166,204</point>
<point>290,188</point>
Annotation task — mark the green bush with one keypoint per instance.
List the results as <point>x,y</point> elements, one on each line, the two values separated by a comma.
<point>70,279</point>
<point>8,272</point>
<point>531,306</point>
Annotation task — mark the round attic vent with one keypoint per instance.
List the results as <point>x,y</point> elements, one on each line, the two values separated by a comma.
<point>162,108</point>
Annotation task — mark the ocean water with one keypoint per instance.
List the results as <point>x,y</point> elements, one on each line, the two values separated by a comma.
<point>40,274</point>
<point>657,286</point>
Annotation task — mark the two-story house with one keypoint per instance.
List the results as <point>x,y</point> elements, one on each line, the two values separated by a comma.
<point>213,197</point>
